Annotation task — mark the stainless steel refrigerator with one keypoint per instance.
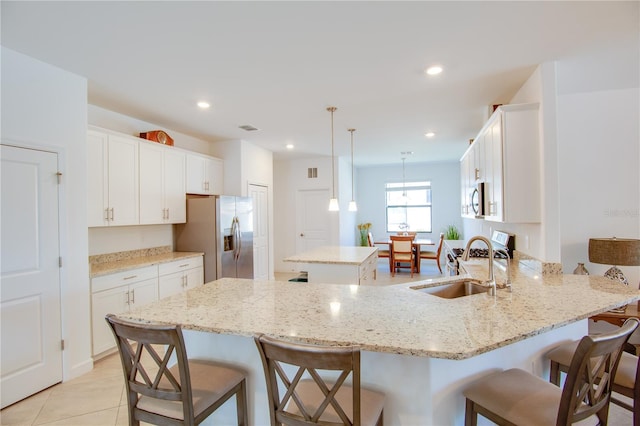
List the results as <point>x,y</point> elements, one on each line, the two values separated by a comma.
<point>221,227</point>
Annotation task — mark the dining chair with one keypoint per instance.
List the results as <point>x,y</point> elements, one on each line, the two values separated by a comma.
<point>384,253</point>
<point>308,396</point>
<point>410,233</point>
<point>183,394</point>
<point>433,255</point>
<point>402,252</point>
<point>626,381</point>
<point>517,397</point>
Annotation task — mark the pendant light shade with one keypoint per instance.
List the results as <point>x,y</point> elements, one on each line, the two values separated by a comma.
<point>333,202</point>
<point>352,204</point>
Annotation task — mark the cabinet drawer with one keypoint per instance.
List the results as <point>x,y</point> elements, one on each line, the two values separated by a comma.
<point>118,279</point>
<point>179,265</point>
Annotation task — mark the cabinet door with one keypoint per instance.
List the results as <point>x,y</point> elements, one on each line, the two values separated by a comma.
<point>123,181</point>
<point>97,179</point>
<point>174,187</point>
<point>171,284</point>
<point>152,208</point>
<point>194,278</point>
<point>113,301</point>
<point>143,293</point>
<point>496,206</point>
<point>214,176</point>
<point>195,174</point>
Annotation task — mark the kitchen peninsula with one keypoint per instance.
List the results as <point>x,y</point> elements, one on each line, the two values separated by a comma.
<point>338,264</point>
<point>419,349</point>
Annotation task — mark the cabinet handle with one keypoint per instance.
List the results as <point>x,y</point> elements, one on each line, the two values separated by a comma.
<point>184,281</point>
<point>112,214</point>
<point>133,296</point>
<point>129,277</point>
<point>128,301</point>
<point>206,185</point>
<point>477,173</point>
<point>106,214</point>
<point>167,214</point>
<point>183,265</point>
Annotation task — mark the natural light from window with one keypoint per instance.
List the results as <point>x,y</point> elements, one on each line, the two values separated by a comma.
<point>408,206</point>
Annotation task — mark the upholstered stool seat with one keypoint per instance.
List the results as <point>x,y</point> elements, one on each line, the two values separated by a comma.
<point>624,382</point>
<point>517,397</point>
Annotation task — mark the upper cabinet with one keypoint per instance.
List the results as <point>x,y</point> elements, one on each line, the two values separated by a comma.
<point>505,156</point>
<point>113,196</point>
<point>205,175</point>
<point>136,182</point>
<point>162,184</point>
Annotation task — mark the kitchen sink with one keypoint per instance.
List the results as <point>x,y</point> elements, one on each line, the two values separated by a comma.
<point>454,289</point>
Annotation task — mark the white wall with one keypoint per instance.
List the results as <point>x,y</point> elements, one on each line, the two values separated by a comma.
<point>445,187</point>
<point>599,150</point>
<point>347,225</point>
<point>290,176</point>
<point>44,106</point>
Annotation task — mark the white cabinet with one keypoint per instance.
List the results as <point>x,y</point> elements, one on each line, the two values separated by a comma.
<point>118,293</point>
<point>112,180</point>
<point>506,157</point>
<point>162,184</point>
<point>180,275</point>
<point>205,175</point>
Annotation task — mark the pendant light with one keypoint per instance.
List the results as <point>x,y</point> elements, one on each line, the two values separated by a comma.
<point>333,202</point>
<point>353,207</point>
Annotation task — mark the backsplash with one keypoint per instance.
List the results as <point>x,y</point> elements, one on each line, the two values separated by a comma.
<point>130,254</point>
<point>544,268</point>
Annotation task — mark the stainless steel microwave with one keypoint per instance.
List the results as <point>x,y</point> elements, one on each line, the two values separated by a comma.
<point>477,200</point>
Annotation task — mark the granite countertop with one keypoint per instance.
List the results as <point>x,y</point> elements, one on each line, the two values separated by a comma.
<point>347,255</point>
<point>393,319</point>
<point>105,268</point>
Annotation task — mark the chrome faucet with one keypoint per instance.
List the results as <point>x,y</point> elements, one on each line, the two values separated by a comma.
<point>465,256</point>
<point>507,283</point>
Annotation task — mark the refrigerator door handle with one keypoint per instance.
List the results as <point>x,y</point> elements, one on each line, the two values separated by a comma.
<point>238,238</point>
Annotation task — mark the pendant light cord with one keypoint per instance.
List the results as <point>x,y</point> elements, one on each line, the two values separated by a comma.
<point>333,175</point>
<point>352,181</point>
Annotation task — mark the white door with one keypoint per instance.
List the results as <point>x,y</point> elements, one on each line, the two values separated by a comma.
<point>313,221</point>
<point>260,231</point>
<point>30,274</point>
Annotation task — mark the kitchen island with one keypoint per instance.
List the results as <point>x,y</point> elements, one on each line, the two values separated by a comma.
<point>419,349</point>
<point>338,264</point>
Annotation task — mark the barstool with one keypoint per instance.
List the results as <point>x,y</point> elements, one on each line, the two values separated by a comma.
<point>517,397</point>
<point>316,400</point>
<point>184,394</point>
<point>626,381</point>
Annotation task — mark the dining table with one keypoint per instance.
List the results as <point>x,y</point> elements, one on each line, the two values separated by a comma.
<point>416,245</point>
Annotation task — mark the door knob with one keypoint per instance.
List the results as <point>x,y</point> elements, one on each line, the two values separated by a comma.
<point>302,235</point>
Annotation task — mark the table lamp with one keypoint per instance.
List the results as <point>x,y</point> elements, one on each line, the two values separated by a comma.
<point>617,252</point>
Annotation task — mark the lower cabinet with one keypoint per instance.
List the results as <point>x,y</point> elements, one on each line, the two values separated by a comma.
<point>176,277</point>
<point>122,291</point>
<point>117,293</point>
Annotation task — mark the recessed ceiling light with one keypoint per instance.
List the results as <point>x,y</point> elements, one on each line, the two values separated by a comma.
<point>203,104</point>
<point>289,146</point>
<point>429,134</point>
<point>434,70</point>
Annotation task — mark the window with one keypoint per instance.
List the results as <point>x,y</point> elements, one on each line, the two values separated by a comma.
<point>408,206</point>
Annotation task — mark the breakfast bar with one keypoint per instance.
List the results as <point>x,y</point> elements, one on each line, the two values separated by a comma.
<point>421,350</point>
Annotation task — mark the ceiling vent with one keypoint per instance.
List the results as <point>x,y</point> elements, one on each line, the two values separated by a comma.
<point>248,127</point>
<point>312,172</point>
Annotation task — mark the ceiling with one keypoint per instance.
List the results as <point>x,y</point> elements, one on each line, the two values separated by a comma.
<point>278,65</point>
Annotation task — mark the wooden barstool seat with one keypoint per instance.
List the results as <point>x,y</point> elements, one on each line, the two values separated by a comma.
<point>517,397</point>
<point>626,381</point>
<point>309,398</point>
<point>183,394</point>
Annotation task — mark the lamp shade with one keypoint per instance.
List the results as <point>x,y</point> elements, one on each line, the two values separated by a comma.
<point>614,251</point>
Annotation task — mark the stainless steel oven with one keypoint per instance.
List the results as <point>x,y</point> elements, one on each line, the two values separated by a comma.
<point>499,240</point>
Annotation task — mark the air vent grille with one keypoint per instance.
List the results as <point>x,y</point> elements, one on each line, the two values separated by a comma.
<point>312,172</point>
<point>248,127</point>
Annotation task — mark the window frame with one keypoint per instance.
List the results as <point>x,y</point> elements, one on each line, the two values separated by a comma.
<point>409,186</point>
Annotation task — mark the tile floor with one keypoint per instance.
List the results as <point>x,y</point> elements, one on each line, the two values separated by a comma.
<point>98,398</point>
